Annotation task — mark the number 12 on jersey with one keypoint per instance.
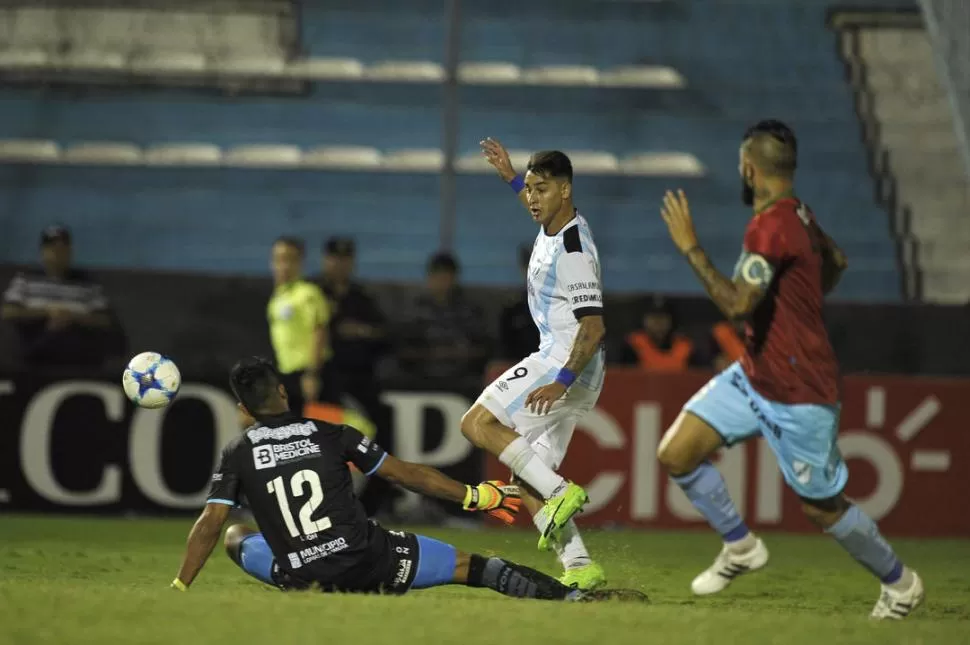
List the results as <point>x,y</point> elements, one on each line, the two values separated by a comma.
<point>301,479</point>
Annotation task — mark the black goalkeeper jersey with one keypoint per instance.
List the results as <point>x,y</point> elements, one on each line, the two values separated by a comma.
<point>294,476</point>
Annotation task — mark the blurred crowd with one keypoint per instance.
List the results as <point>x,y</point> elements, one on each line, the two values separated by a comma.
<point>330,335</point>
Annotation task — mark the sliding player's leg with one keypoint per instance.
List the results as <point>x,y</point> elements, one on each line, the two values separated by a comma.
<point>494,423</point>
<point>248,549</point>
<point>718,414</point>
<point>812,465</point>
<point>442,564</point>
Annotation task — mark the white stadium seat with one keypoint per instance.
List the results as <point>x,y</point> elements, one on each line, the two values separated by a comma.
<point>29,151</point>
<point>264,156</point>
<point>267,65</point>
<point>166,62</point>
<point>326,69</point>
<point>405,71</point>
<point>561,75</point>
<point>184,154</point>
<point>594,162</point>
<point>109,61</point>
<point>103,153</point>
<point>489,73</point>
<point>663,164</point>
<point>343,157</point>
<point>642,76</point>
<point>23,58</point>
<point>416,160</point>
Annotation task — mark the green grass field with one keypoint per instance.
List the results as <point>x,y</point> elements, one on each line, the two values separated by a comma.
<point>74,580</point>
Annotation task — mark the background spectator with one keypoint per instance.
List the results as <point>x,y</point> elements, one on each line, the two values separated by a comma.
<point>728,340</point>
<point>658,345</point>
<point>60,313</point>
<point>518,336</point>
<point>443,340</point>
<point>357,325</point>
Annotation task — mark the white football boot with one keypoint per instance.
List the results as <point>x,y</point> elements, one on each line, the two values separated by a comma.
<point>894,604</point>
<point>727,566</point>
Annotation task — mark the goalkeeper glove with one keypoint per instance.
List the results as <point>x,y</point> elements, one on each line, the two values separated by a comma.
<point>496,498</point>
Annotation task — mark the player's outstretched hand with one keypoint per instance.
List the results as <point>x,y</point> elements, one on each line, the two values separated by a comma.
<point>676,213</point>
<point>498,157</point>
<point>494,497</point>
<point>540,400</point>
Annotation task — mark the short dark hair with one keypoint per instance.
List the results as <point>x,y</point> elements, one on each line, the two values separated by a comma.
<point>443,261</point>
<point>774,144</point>
<point>292,242</point>
<point>551,163</point>
<point>254,380</point>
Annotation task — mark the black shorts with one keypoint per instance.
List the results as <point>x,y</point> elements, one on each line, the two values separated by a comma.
<point>390,571</point>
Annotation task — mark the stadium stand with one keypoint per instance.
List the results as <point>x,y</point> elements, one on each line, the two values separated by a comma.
<point>645,96</point>
<point>909,122</point>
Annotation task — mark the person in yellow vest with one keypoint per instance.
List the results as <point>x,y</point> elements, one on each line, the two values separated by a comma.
<point>298,315</point>
<point>729,343</point>
<point>657,346</point>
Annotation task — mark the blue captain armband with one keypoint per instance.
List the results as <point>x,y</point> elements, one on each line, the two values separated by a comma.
<point>517,183</point>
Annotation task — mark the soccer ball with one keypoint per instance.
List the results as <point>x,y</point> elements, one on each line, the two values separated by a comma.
<point>151,380</point>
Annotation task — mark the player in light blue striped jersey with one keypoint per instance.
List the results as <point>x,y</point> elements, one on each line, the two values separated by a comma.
<point>526,417</point>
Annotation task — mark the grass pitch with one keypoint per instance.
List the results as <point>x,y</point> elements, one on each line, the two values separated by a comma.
<point>81,580</point>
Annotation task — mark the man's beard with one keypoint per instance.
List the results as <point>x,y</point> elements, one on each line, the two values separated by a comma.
<point>747,193</point>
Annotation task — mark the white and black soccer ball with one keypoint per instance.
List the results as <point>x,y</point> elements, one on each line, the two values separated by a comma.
<point>151,380</point>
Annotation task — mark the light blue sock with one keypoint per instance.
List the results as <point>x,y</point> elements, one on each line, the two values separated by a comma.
<point>706,490</point>
<point>860,536</point>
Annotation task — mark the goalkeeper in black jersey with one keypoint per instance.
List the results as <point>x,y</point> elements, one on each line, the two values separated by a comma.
<point>294,475</point>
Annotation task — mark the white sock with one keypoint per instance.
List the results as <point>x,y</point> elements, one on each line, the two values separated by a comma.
<point>743,545</point>
<point>905,581</point>
<point>570,547</point>
<point>525,463</point>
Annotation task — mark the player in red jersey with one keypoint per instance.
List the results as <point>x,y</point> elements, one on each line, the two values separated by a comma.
<point>785,388</point>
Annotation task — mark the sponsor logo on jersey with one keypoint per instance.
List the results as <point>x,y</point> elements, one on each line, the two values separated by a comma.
<point>262,433</point>
<point>403,571</point>
<point>320,551</point>
<point>584,286</point>
<point>587,297</point>
<point>280,453</point>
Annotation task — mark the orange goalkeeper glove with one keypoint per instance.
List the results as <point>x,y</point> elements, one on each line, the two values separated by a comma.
<point>494,497</point>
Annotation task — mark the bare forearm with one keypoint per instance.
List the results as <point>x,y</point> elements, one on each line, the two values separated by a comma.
<point>587,342</point>
<point>431,482</point>
<point>317,343</point>
<point>202,540</point>
<point>721,289</point>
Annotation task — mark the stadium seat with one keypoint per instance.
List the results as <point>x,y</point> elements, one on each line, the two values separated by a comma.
<point>326,69</point>
<point>642,76</point>
<point>23,58</point>
<point>405,71</point>
<point>184,154</point>
<point>667,164</point>
<point>263,156</point>
<point>250,66</point>
<point>489,73</point>
<point>103,153</point>
<point>29,151</point>
<point>168,62</point>
<point>93,60</point>
<point>343,157</point>
<point>414,160</point>
<point>561,75</point>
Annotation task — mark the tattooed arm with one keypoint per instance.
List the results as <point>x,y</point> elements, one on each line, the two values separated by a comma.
<point>590,335</point>
<point>736,299</point>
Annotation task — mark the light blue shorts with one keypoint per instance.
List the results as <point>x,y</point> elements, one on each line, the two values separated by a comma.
<point>802,436</point>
